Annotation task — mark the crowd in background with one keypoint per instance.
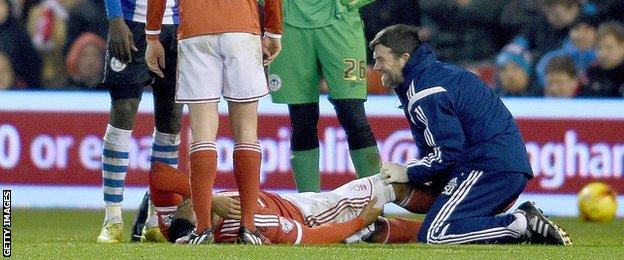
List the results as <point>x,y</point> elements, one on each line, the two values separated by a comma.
<point>559,48</point>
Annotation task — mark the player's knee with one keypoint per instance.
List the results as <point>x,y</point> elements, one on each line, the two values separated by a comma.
<point>168,119</point>
<point>123,113</point>
<point>353,120</point>
<point>303,120</point>
<point>422,234</point>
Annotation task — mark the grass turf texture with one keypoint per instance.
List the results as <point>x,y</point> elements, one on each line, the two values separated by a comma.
<point>72,233</point>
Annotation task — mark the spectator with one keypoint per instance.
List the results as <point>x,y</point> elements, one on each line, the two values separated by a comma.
<point>517,14</point>
<point>562,79</point>
<point>85,61</point>
<point>7,75</point>
<point>549,30</point>
<point>580,47</point>
<point>47,25</point>
<point>463,31</point>
<point>610,9</point>
<point>606,79</point>
<point>514,73</point>
<point>383,13</point>
<point>15,42</point>
<point>85,16</point>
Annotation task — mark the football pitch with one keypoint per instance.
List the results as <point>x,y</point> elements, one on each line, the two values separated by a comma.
<point>63,233</point>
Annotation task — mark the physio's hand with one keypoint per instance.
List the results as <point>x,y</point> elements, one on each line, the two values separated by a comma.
<point>271,47</point>
<point>226,207</point>
<point>121,40</point>
<point>155,57</point>
<point>393,173</point>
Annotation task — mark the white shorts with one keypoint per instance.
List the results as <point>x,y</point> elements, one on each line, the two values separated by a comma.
<point>228,64</point>
<point>342,204</point>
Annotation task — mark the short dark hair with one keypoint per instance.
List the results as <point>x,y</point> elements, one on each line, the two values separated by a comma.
<point>179,227</point>
<point>564,64</point>
<point>400,38</point>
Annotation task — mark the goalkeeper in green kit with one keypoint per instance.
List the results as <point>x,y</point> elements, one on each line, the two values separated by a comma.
<point>323,39</point>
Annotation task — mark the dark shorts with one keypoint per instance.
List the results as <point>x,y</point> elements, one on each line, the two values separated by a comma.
<point>124,82</point>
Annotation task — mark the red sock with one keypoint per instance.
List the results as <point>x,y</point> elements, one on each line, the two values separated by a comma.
<point>397,230</point>
<point>247,159</point>
<point>203,172</point>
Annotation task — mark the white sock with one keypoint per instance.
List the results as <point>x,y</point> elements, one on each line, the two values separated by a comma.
<point>152,217</point>
<point>113,213</point>
<point>383,191</point>
<point>361,235</point>
<point>165,148</point>
<point>115,159</point>
<point>520,224</point>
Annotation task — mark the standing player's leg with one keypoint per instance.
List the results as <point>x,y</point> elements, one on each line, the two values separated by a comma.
<point>362,144</point>
<point>342,53</point>
<point>168,120</point>
<point>200,86</point>
<point>125,83</point>
<point>247,160</point>
<point>203,163</point>
<point>304,146</point>
<point>294,78</point>
<point>245,85</point>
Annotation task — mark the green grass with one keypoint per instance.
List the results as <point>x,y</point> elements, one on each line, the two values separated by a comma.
<point>72,234</point>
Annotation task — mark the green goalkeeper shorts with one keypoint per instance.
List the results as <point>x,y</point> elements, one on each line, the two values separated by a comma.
<point>336,52</point>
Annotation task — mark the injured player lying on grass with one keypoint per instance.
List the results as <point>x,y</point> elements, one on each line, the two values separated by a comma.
<point>347,214</point>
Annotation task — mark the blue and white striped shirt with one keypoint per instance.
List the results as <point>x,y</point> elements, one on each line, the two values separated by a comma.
<point>136,10</point>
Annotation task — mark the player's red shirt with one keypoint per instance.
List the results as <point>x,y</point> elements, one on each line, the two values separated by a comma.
<point>283,223</point>
<point>202,17</point>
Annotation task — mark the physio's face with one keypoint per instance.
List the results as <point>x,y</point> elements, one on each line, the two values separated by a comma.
<point>390,67</point>
<point>610,52</point>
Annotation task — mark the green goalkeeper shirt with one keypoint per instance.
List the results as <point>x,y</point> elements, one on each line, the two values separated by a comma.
<point>314,13</point>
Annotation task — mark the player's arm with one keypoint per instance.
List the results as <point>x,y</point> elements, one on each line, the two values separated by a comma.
<point>155,53</point>
<point>443,135</point>
<point>293,232</point>
<point>155,14</point>
<point>271,42</point>
<point>119,35</point>
<point>273,18</point>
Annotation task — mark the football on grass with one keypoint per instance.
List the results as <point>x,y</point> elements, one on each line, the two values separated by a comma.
<point>597,202</point>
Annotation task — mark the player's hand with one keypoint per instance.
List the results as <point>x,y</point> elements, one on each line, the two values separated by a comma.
<point>369,213</point>
<point>185,211</point>
<point>271,47</point>
<point>155,57</point>
<point>121,40</point>
<point>226,207</point>
<point>392,172</point>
